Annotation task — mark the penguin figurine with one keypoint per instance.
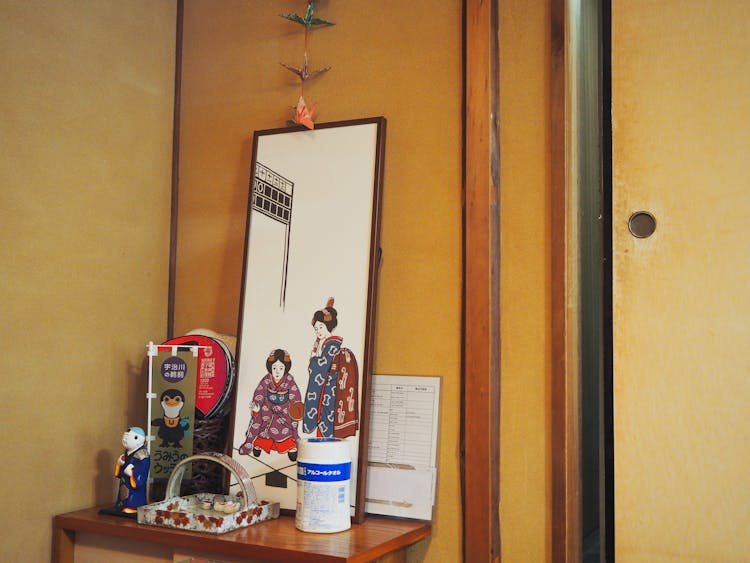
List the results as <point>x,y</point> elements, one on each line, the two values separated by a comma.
<point>171,426</point>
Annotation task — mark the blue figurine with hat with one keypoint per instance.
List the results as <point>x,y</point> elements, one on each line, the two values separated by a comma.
<point>131,468</point>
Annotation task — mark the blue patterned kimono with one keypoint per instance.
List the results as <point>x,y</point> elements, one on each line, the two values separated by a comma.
<point>321,389</point>
<point>132,491</point>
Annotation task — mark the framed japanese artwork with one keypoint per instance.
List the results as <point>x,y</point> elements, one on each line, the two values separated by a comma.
<point>305,335</point>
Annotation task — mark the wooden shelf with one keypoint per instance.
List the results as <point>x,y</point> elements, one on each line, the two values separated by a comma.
<point>274,540</point>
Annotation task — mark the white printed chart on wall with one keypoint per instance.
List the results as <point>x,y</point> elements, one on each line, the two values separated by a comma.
<point>402,460</point>
<point>308,300</point>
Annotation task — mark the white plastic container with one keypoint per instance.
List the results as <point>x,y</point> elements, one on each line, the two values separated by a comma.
<point>323,475</point>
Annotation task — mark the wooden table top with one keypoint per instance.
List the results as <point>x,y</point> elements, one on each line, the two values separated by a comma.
<point>273,540</point>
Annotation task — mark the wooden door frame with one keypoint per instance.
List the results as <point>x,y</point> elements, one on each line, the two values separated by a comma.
<point>565,411</point>
<point>175,181</point>
<point>480,383</point>
<point>480,468</point>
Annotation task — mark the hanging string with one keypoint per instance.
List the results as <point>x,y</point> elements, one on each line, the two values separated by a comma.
<point>303,114</point>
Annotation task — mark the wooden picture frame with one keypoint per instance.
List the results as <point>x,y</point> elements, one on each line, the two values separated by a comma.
<point>309,280</point>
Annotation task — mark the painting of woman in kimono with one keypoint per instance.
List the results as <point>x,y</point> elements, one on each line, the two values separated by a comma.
<point>331,400</point>
<point>275,400</point>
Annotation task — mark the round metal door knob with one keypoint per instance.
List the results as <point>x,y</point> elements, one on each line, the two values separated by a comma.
<point>642,224</point>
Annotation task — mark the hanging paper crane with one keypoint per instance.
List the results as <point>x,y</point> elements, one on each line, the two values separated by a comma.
<point>308,21</point>
<point>303,114</point>
<point>304,72</point>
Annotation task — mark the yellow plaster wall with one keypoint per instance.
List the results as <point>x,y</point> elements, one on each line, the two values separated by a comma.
<point>84,213</point>
<point>524,279</point>
<point>85,166</point>
<point>398,59</point>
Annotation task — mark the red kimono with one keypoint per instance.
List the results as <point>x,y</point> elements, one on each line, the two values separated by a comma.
<point>346,419</point>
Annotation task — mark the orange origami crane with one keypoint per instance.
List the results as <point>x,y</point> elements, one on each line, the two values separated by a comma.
<point>303,114</point>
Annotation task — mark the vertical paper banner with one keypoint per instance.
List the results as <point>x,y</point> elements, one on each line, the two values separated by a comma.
<point>172,409</point>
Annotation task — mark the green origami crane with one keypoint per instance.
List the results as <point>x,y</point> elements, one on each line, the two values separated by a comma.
<point>308,21</point>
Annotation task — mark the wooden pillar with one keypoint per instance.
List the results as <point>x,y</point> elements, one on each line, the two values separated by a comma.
<point>480,431</point>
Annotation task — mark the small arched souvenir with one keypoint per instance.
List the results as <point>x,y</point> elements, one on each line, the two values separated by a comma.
<point>208,512</point>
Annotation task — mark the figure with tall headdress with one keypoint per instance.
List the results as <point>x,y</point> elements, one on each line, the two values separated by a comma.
<point>331,401</point>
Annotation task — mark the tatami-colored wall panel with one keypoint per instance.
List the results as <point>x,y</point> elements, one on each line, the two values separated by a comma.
<point>85,166</point>
<point>524,281</point>
<point>401,60</point>
<point>680,297</point>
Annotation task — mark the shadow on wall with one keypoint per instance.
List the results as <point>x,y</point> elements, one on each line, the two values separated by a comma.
<point>105,486</point>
